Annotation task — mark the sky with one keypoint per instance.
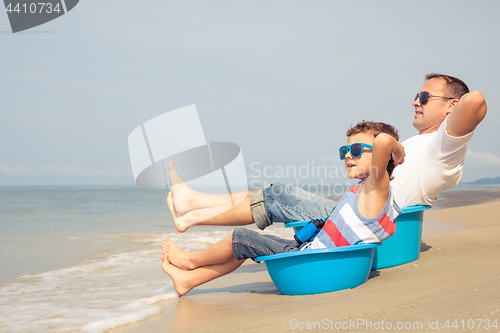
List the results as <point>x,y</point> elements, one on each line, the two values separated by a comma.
<point>283,79</point>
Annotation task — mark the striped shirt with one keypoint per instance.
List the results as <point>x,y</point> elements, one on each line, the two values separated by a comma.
<point>346,226</point>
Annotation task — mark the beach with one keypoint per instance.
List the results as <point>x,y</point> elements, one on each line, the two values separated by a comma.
<point>453,286</point>
<point>87,259</point>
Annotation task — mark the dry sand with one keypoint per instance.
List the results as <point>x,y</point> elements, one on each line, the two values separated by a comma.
<point>456,278</point>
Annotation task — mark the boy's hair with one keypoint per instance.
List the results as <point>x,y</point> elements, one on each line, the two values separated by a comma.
<point>376,128</point>
<point>454,87</point>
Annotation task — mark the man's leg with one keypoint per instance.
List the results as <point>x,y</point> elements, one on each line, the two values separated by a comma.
<point>287,203</point>
<point>220,215</point>
<point>190,208</point>
<point>277,203</point>
<point>185,199</point>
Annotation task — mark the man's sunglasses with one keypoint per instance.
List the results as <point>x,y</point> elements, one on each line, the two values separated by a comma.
<point>356,150</point>
<point>424,97</point>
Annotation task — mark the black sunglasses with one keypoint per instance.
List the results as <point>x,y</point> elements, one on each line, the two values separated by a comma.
<point>424,97</point>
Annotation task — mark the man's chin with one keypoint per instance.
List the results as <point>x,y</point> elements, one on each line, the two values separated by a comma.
<point>416,123</point>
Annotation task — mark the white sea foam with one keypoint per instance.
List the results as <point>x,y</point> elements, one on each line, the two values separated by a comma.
<point>106,243</point>
<point>99,294</point>
<point>137,311</point>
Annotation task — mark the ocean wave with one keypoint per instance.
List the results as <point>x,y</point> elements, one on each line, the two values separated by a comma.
<point>107,290</point>
<point>137,311</point>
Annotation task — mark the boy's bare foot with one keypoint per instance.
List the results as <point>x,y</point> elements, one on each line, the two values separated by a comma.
<point>179,223</point>
<point>176,256</point>
<point>178,277</point>
<point>183,195</point>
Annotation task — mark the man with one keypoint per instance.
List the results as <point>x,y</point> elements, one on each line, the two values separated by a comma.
<point>446,114</point>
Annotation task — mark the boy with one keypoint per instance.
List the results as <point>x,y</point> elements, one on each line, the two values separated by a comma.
<point>365,214</point>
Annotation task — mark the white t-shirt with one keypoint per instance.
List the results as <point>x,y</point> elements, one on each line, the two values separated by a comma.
<point>433,163</point>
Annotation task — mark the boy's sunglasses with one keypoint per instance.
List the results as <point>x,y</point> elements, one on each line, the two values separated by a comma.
<point>424,97</point>
<point>356,150</point>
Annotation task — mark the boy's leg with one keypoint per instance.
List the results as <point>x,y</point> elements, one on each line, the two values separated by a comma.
<point>184,281</point>
<point>218,253</point>
<point>252,244</point>
<point>241,243</point>
<point>216,261</point>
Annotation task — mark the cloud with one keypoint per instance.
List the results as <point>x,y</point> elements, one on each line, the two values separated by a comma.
<point>482,159</point>
<point>20,169</point>
<point>60,169</point>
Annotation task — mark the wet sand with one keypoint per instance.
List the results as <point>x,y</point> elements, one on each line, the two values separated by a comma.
<point>466,198</point>
<point>456,278</point>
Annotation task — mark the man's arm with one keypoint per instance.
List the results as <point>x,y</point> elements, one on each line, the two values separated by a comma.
<point>467,114</point>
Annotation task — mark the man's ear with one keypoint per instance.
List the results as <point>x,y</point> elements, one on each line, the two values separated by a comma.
<point>452,105</point>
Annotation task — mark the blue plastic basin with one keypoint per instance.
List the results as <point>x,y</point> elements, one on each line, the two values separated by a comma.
<point>402,247</point>
<point>320,271</point>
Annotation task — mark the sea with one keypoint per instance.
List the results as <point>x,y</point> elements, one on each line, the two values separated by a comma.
<point>87,258</point>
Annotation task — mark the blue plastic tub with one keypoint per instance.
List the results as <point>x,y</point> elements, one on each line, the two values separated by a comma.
<point>298,224</point>
<point>402,247</point>
<point>320,271</point>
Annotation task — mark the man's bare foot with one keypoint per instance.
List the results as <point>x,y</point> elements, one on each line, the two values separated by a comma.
<point>176,256</point>
<point>183,195</point>
<point>179,277</point>
<point>179,223</point>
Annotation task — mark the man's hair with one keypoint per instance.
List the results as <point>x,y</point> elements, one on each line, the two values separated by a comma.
<point>376,128</point>
<point>454,87</point>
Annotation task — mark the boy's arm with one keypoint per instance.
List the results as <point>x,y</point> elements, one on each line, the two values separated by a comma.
<point>376,188</point>
<point>384,147</point>
<point>467,114</point>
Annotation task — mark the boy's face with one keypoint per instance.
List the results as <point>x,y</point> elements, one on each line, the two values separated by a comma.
<point>359,167</point>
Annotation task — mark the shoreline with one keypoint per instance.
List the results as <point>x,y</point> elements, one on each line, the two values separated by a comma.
<point>458,198</point>
<point>456,277</point>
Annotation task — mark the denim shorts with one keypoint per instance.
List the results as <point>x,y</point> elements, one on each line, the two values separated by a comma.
<point>251,244</point>
<point>287,203</point>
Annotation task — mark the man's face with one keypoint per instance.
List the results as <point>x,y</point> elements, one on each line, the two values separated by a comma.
<point>429,117</point>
